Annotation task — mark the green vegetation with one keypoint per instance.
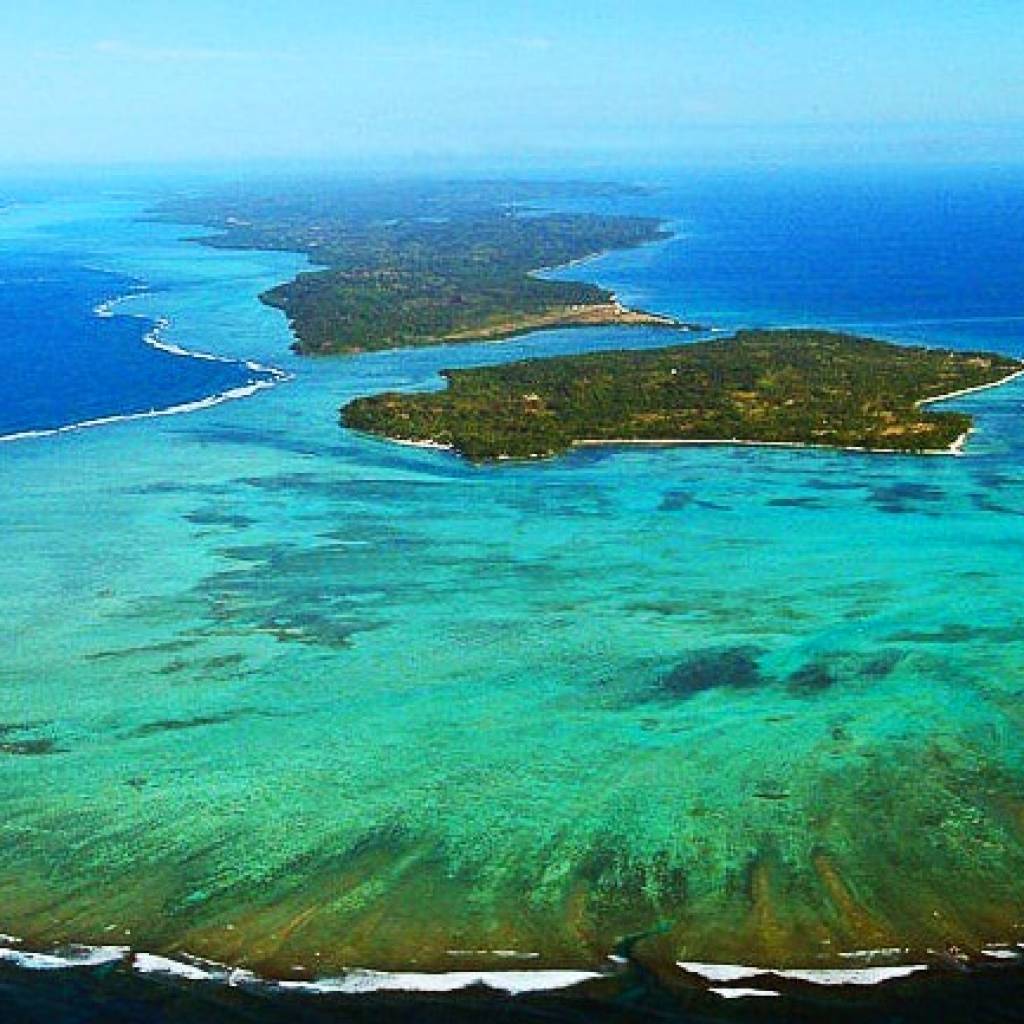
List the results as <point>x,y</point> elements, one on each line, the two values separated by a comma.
<point>417,264</point>
<point>802,386</point>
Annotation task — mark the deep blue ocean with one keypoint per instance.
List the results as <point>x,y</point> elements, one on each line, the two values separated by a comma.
<point>935,255</point>
<point>70,359</point>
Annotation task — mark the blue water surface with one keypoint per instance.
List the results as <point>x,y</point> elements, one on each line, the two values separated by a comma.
<point>64,364</point>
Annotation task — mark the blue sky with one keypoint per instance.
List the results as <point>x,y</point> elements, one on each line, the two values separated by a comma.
<point>205,80</point>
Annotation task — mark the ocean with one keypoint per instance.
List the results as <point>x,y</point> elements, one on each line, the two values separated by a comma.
<point>298,701</point>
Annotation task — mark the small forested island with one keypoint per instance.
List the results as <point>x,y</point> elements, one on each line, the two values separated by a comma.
<point>408,264</point>
<point>803,387</point>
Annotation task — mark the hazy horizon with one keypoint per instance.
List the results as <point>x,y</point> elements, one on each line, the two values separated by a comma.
<point>442,84</point>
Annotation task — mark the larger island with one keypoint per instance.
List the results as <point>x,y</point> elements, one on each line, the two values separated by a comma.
<point>420,263</point>
<point>782,387</point>
<point>407,264</point>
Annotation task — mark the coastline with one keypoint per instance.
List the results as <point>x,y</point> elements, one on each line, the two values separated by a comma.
<point>973,390</point>
<point>725,980</point>
<point>604,314</point>
<point>956,448</point>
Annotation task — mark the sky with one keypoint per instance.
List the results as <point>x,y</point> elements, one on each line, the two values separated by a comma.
<point>110,81</point>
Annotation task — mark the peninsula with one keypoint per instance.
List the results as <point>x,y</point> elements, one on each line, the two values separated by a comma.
<point>422,263</point>
<point>800,387</point>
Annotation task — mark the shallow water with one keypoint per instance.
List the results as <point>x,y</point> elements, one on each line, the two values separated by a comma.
<point>300,700</point>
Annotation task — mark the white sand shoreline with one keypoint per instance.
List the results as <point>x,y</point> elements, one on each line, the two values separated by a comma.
<point>954,449</point>
<point>973,390</point>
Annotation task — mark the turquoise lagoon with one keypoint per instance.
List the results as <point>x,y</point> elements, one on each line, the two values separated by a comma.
<point>299,700</point>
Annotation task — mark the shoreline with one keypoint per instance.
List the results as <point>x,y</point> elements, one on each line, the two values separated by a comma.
<point>153,339</point>
<point>960,393</point>
<point>589,315</point>
<point>955,448</point>
<point>725,979</point>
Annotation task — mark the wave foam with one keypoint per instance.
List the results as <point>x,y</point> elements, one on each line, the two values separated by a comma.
<point>744,993</point>
<point>512,982</point>
<point>814,976</point>
<point>232,394</point>
<point>73,956</point>
<point>154,338</point>
<point>150,963</point>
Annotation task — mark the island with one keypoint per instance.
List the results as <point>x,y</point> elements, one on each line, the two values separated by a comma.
<point>787,387</point>
<point>422,263</point>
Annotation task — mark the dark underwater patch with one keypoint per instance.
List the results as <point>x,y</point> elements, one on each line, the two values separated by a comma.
<point>295,594</point>
<point>881,665</point>
<point>177,487</point>
<point>222,661</point>
<point>219,663</point>
<point>279,441</point>
<point>676,501</point>
<point>905,496</point>
<point>290,483</point>
<point>734,668</point>
<point>30,748</point>
<point>177,724</point>
<point>163,647</point>
<point>9,728</point>
<point>811,678</point>
<point>985,503</point>
<point>993,480</point>
<point>679,501</point>
<point>658,607</point>
<point>215,517</point>
<point>826,484</point>
<point>771,791</point>
<point>961,633</point>
<point>796,503</point>
<point>368,489</point>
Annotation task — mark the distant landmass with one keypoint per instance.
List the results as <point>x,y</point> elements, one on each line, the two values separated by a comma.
<point>801,387</point>
<point>424,263</point>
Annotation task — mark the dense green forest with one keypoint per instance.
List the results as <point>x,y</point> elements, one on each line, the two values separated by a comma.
<point>803,386</point>
<point>418,263</point>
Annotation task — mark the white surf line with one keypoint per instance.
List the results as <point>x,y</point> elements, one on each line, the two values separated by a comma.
<point>354,982</point>
<point>231,395</point>
<point>513,982</point>
<point>74,956</point>
<point>154,340</point>
<point>736,442</point>
<point>362,981</point>
<point>1002,952</point>
<point>745,993</point>
<point>812,975</point>
<point>153,337</point>
<point>105,309</point>
<point>970,391</point>
<point>150,963</point>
